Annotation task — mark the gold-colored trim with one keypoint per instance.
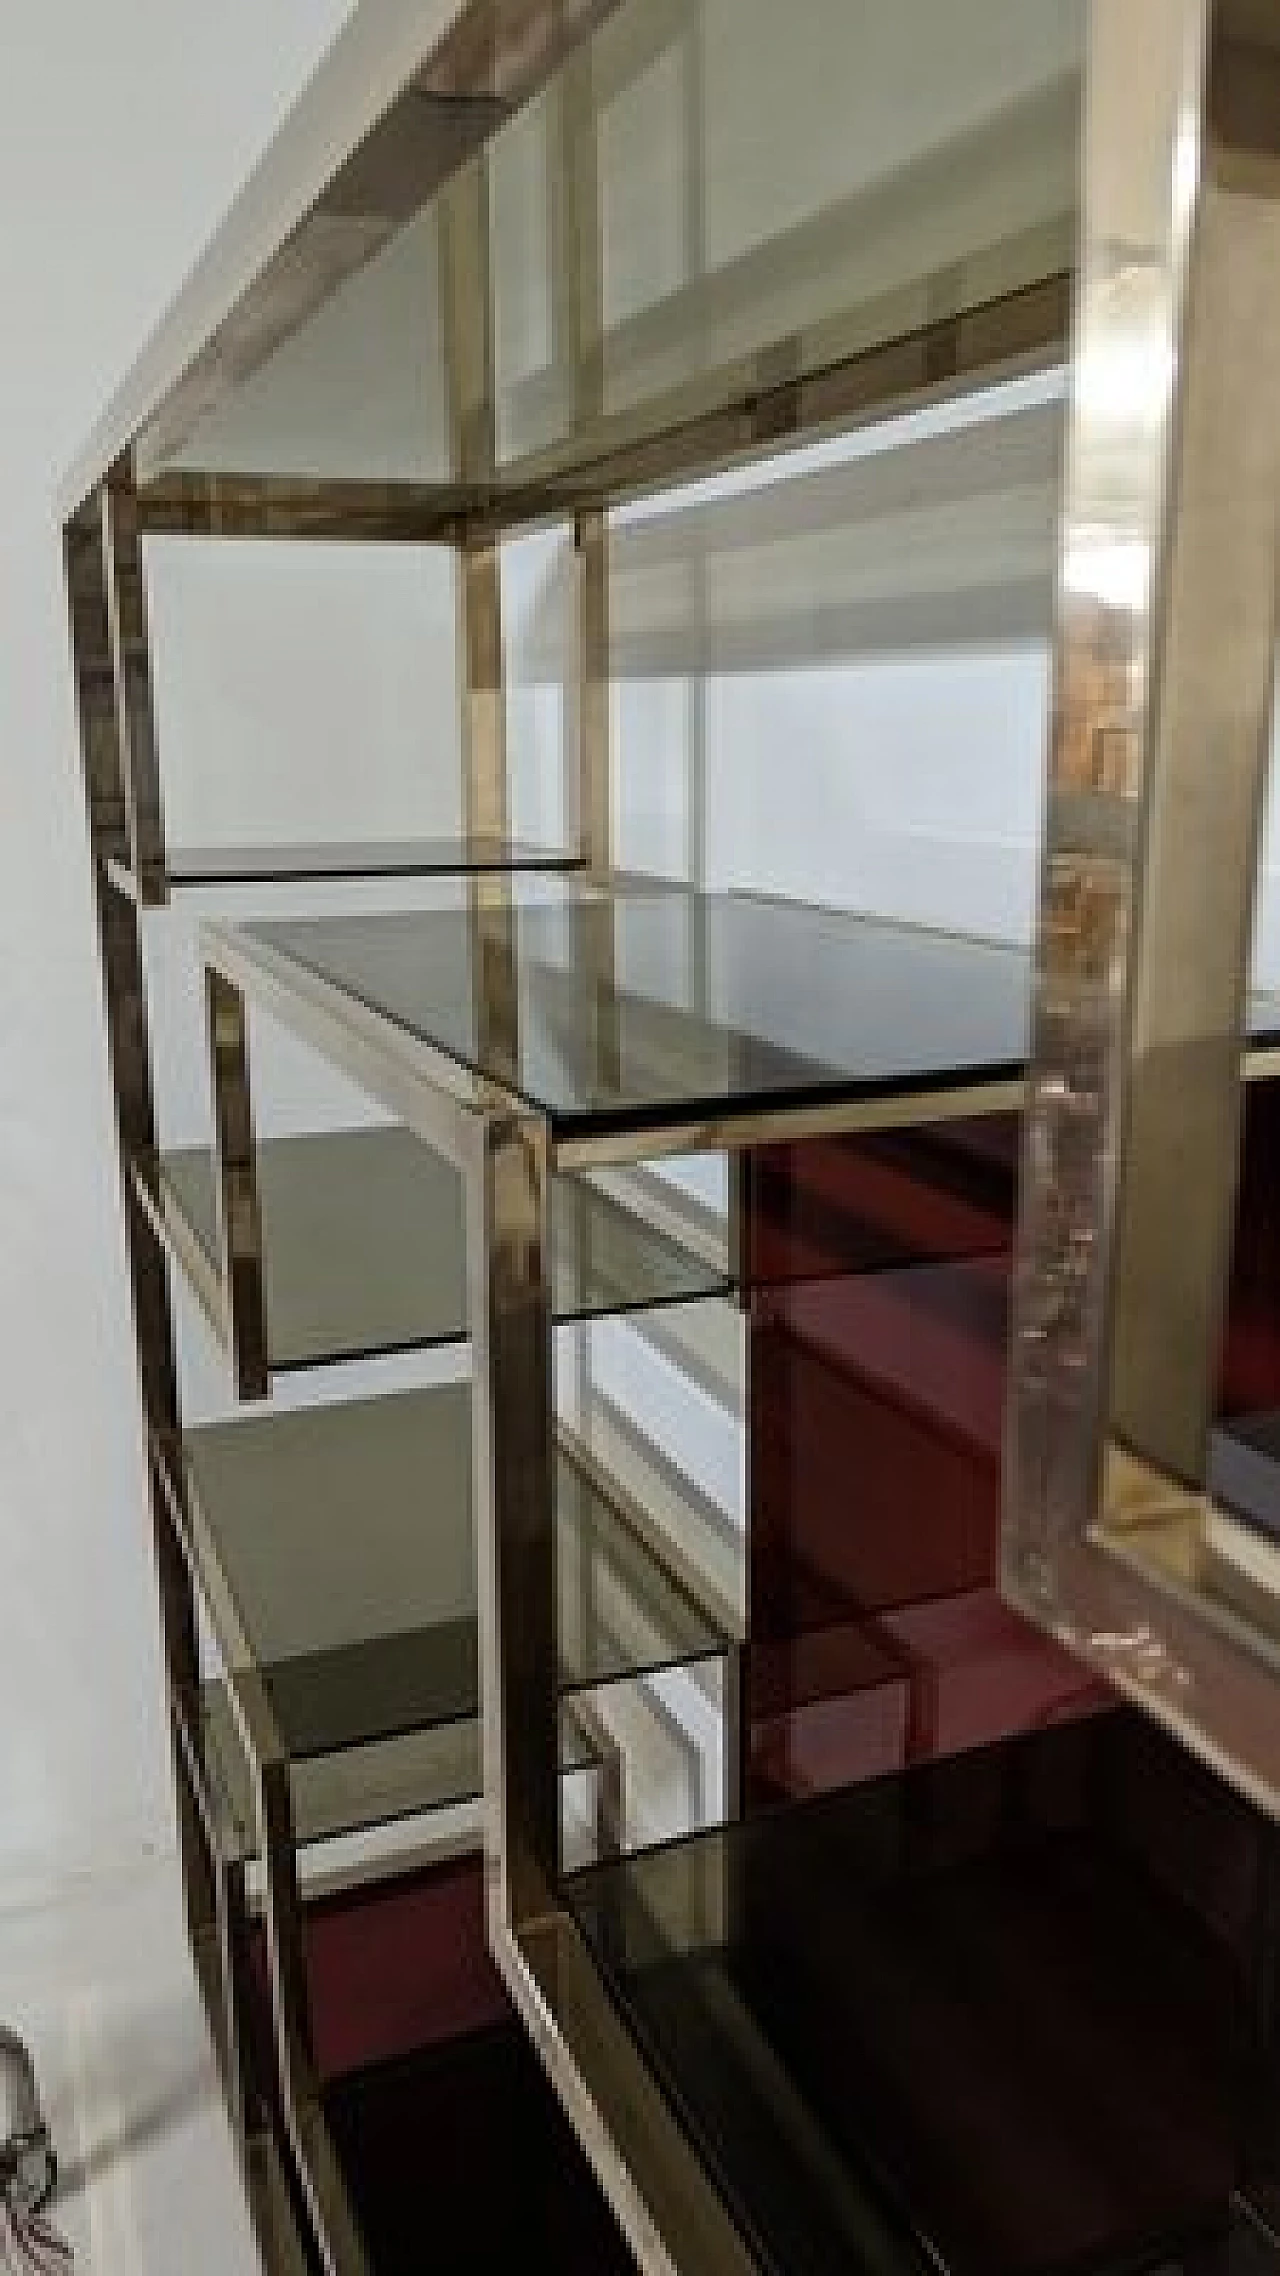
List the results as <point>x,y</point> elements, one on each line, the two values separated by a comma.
<point>130,641</point>
<point>239,1210</point>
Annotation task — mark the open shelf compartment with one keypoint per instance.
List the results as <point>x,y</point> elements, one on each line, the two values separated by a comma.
<point>425,2078</point>
<point>989,2017</point>
<point>335,1552</point>
<point>363,1246</point>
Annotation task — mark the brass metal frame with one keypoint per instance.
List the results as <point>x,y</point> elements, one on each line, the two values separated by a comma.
<point>131,670</point>
<point>1163,686</point>
<point>239,1211</point>
<point>107,618</point>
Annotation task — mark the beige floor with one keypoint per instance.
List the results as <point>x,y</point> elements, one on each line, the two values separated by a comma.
<point>99,1984</point>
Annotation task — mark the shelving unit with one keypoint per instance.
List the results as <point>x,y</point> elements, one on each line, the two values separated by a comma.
<point>826,1914</point>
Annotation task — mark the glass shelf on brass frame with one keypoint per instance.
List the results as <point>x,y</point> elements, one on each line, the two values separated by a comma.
<point>354,2020</point>
<point>363,1254</point>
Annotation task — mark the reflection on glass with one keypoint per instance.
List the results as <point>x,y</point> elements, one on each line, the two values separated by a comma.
<point>419,2057</point>
<point>974,1983</point>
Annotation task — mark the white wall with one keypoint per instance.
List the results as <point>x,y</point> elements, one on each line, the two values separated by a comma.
<point>124,130</point>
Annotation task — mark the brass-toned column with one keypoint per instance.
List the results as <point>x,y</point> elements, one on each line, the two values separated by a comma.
<point>239,1213</point>
<point>135,709</point>
<point>577,314</point>
<point>508,1251</point>
<point>1162,709</point>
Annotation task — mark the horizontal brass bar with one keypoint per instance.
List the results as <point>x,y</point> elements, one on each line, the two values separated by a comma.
<point>267,505</point>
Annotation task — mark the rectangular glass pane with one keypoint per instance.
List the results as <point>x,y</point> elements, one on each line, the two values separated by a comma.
<point>638,1005</point>
<point>336,1552</point>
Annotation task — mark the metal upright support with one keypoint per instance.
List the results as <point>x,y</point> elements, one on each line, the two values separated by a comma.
<point>135,707</point>
<point>1162,712</point>
<point>589,696</point>
<point>508,1249</point>
<point>577,315</point>
<point>239,1213</point>
<point>466,299</point>
<point>108,641</point>
<point>319,2179</point>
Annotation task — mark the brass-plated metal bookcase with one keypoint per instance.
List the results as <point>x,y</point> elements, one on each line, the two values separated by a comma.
<point>555,1026</point>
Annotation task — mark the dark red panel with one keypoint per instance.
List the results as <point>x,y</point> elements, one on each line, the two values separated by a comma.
<point>877,1417</point>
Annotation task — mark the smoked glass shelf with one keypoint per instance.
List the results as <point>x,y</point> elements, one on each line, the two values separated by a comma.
<point>335,1553</point>
<point>628,1014</point>
<point>632,1012</point>
<point>364,1249</point>
<point>956,2020</point>
<point>340,861</point>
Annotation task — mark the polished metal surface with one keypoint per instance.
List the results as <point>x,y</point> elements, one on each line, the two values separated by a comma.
<point>338,2240</point>
<point>239,1212</point>
<point>668,2208</point>
<point>508,1202</point>
<point>887,290</point>
<point>591,768</point>
<point>100,631</point>
<point>131,665</point>
<point>896,281</point>
<point>363,1246</point>
<point>283,506</point>
<point>1162,714</point>
<point>407,90</point>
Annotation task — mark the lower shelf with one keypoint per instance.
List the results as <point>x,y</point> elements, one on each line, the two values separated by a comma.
<point>451,2147</point>
<point>996,2017</point>
<point>460,2158</point>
